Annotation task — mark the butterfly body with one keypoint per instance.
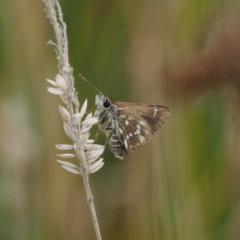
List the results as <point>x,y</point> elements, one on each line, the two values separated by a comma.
<point>128,126</point>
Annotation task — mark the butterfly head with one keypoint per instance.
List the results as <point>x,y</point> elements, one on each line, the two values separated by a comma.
<point>102,102</point>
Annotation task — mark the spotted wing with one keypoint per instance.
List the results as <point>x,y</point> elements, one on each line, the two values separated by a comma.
<point>138,122</point>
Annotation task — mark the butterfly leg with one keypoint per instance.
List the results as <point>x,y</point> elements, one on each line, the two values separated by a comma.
<point>91,110</point>
<point>100,130</point>
<point>96,134</point>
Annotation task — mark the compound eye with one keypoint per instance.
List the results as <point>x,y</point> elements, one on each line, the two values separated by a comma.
<point>106,103</point>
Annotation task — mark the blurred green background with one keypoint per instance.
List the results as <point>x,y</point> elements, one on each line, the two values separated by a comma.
<point>185,184</point>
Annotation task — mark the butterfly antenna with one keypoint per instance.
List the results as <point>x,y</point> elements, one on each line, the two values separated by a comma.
<point>83,78</point>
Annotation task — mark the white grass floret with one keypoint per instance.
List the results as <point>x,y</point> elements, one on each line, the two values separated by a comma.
<point>66,155</point>
<point>69,132</point>
<point>61,82</point>
<point>56,91</point>
<point>90,121</point>
<point>93,155</point>
<point>64,113</point>
<point>83,138</point>
<point>68,164</point>
<point>52,82</point>
<point>83,109</point>
<point>94,147</point>
<point>97,165</point>
<point>85,130</point>
<point>71,170</point>
<point>64,147</point>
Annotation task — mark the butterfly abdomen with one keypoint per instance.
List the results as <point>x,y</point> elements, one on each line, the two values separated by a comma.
<point>116,145</point>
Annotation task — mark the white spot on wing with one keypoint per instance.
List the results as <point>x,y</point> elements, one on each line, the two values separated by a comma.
<point>126,122</point>
<point>155,112</point>
<point>125,144</point>
<point>141,139</point>
<point>137,132</point>
<point>120,130</point>
<point>142,123</point>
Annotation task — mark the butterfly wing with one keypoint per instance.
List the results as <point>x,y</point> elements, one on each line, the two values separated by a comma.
<point>138,122</point>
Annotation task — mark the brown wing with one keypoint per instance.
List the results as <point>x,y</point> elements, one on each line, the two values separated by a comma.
<point>138,122</point>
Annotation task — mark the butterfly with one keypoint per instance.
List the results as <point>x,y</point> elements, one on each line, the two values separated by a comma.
<point>128,126</point>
